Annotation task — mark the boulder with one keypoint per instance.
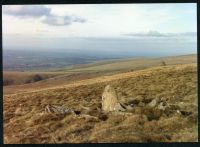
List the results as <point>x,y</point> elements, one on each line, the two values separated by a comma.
<point>110,100</point>
<point>59,109</point>
<point>153,103</point>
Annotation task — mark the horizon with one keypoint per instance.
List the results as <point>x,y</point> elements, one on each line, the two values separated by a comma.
<point>160,29</point>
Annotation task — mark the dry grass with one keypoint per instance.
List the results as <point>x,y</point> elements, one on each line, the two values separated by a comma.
<point>133,64</point>
<point>86,71</point>
<point>25,120</point>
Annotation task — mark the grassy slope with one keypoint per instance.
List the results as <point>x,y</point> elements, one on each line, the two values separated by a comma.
<point>26,122</point>
<point>89,71</point>
<point>135,63</point>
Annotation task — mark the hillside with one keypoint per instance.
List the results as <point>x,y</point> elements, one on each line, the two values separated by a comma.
<point>19,78</point>
<point>25,119</point>
<point>86,71</point>
<point>118,65</point>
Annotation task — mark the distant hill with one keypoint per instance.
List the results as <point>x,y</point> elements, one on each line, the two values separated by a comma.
<point>19,60</point>
<point>87,71</point>
<point>134,63</point>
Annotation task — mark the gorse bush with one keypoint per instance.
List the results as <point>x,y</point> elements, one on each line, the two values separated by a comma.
<point>35,78</point>
<point>163,63</point>
<point>8,82</point>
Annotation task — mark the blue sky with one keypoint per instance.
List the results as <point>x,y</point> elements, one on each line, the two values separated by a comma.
<point>114,27</point>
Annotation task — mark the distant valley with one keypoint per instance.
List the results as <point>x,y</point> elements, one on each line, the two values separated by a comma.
<point>35,60</point>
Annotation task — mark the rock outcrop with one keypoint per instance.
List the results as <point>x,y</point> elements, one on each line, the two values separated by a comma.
<point>110,100</point>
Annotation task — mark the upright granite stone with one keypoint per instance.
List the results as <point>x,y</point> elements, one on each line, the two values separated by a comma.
<point>110,100</point>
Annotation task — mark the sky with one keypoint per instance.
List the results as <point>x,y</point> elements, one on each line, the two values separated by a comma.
<point>163,28</point>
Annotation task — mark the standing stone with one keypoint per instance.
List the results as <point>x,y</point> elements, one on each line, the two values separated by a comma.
<point>110,100</point>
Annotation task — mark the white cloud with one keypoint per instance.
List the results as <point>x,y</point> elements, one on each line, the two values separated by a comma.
<point>32,11</point>
<point>102,21</point>
<point>159,34</point>
<point>61,20</point>
<point>26,11</point>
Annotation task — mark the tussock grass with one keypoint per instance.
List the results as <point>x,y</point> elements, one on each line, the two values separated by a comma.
<point>26,122</point>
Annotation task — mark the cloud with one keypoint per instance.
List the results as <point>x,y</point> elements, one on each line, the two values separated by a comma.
<point>41,11</point>
<point>189,34</point>
<point>27,11</point>
<point>158,34</point>
<point>61,20</point>
<point>148,34</point>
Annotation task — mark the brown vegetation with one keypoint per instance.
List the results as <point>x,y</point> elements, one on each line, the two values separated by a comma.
<point>17,82</point>
<point>25,120</point>
<point>19,78</point>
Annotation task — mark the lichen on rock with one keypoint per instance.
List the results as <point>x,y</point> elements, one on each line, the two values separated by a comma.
<point>110,100</point>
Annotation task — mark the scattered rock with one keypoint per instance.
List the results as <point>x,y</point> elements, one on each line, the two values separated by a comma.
<point>153,103</point>
<point>110,100</point>
<point>119,107</point>
<point>178,111</point>
<point>122,113</point>
<point>129,107</point>
<point>60,110</point>
<point>162,99</point>
<point>162,106</point>
<point>132,101</point>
